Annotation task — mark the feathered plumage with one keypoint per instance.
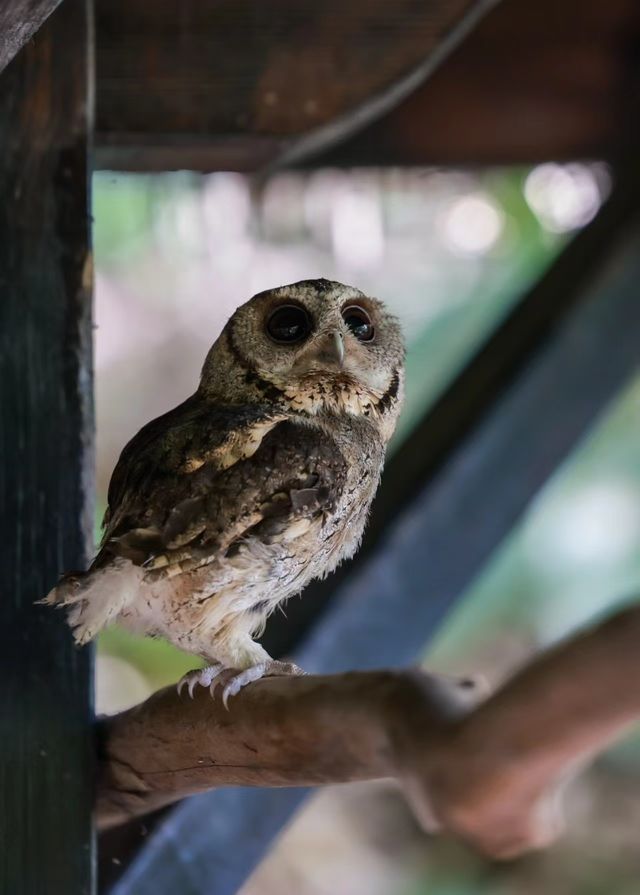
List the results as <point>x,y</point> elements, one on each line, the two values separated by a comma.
<point>260,481</point>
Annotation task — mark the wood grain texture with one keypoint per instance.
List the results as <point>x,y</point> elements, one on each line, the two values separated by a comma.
<point>487,771</point>
<point>242,83</point>
<point>45,458</point>
<point>19,21</point>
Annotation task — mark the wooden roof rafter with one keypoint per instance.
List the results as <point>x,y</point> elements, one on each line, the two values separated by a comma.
<point>242,84</point>
<point>247,85</point>
<point>362,83</point>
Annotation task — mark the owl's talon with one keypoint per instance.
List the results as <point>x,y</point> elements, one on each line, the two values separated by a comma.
<point>239,679</point>
<point>219,679</point>
<point>232,680</point>
<point>226,693</point>
<point>203,676</point>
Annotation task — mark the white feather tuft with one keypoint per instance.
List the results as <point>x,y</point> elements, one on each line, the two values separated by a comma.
<point>96,600</point>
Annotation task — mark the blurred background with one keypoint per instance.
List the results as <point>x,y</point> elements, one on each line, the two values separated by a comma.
<point>449,251</point>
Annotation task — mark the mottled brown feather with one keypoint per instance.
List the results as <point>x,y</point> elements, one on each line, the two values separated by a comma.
<point>167,461</point>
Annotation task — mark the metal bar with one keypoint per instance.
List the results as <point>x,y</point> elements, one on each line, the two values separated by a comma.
<point>46,485</point>
<point>387,609</point>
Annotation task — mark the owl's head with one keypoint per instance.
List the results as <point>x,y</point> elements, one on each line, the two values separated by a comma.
<point>313,347</point>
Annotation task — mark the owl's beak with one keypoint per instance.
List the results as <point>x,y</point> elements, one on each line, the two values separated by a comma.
<point>328,350</point>
<point>336,350</point>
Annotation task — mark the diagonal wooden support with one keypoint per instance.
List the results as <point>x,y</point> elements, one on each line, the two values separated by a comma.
<point>46,488</point>
<point>471,401</point>
<point>19,21</point>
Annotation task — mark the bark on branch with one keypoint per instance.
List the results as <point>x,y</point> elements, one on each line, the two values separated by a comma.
<point>488,773</point>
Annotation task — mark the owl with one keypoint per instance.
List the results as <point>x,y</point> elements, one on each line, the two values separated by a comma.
<point>229,504</point>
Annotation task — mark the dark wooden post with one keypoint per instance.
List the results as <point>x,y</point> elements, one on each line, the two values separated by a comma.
<point>46,774</point>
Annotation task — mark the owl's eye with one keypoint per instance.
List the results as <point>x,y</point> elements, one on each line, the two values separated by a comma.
<point>289,323</point>
<point>359,323</point>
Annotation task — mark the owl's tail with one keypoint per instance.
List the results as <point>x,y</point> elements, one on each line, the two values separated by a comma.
<point>95,598</point>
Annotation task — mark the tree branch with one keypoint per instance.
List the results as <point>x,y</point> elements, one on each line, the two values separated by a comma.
<point>490,773</point>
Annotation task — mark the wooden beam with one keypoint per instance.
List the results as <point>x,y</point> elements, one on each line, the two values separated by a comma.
<point>46,485</point>
<point>242,83</point>
<point>19,21</point>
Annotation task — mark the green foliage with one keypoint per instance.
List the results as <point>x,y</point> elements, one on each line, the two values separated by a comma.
<point>160,662</point>
<point>123,216</point>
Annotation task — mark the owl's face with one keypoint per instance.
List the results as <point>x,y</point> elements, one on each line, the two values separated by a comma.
<point>317,345</point>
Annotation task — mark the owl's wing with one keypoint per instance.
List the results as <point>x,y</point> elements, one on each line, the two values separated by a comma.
<point>164,463</point>
<point>296,475</point>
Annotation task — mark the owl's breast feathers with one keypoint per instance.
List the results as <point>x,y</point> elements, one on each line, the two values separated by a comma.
<point>198,481</point>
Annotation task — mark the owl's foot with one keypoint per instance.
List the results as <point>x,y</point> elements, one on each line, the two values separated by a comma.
<point>203,676</point>
<point>232,680</point>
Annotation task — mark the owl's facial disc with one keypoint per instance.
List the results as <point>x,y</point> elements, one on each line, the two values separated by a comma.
<point>315,346</point>
<point>334,350</point>
<point>321,347</point>
<point>329,359</point>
